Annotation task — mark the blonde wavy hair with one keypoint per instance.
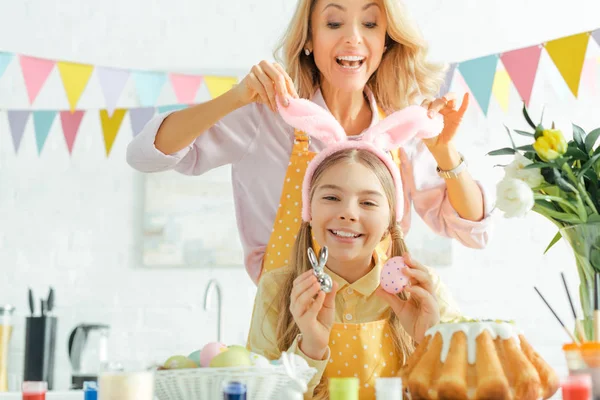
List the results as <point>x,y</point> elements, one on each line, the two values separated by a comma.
<point>287,330</point>
<point>403,73</point>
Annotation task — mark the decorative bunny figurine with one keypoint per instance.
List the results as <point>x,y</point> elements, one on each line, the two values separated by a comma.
<point>319,268</point>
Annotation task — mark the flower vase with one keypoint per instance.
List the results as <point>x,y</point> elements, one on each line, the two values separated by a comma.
<point>584,240</point>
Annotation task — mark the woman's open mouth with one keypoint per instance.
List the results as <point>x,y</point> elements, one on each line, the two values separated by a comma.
<point>350,62</point>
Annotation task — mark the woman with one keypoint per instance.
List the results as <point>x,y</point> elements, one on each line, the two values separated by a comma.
<point>359,59</point>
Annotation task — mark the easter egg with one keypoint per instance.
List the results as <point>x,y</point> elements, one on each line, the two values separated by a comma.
<point>195,357</point>
<point>392,278</point>
<point>210,351</point>
<point>179,362</point>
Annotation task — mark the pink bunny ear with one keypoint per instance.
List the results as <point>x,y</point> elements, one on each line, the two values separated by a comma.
<point>401,126</point>
<point>312,119</point>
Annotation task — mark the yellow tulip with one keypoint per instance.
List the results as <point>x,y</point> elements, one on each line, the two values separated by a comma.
<point>550,145</point>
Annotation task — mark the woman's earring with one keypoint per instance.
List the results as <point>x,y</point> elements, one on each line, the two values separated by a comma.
<point>307,52</point>
<point>385,49</point>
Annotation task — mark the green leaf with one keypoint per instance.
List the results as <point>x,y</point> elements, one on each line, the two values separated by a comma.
<point>565,217</point>
<point>526,115</point>
<point>594,218</point>
<point>527,147</point>
<point>503,151</point>
<point>510,136</point>
<point>576,153</point>
<point>590,140</point>
<point>555,239</point>
<point>538,165</point>
<point>579,137</point>
<point>588,165</point>
<point>523,133</point>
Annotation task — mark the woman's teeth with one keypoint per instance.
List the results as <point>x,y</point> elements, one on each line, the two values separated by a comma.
<point>345,234</point>
<point>350,62</point>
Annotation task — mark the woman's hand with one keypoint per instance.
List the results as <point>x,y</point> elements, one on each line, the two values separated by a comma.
<point>265,81</point>
<point>314,313</point>
<point>421,311</point>
<point>446,106</point>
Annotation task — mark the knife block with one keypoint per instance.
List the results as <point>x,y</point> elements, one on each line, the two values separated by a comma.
<point>40,345</point>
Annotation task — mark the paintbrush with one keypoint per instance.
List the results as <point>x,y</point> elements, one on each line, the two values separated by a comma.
<point>596,311</point>
<point>578,325</point>
<point>573,338</point>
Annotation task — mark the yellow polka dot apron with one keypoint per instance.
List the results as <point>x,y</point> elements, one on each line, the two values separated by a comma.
<point>364,350</point>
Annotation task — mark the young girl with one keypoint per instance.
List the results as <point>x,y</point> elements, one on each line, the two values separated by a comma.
<point>351,203</point>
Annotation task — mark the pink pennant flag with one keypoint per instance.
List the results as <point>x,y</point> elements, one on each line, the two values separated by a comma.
<point>35,72</point>
<point>186,86</point>
<point>70,125</point>
<point>588,75</point>
<point>522,65</point>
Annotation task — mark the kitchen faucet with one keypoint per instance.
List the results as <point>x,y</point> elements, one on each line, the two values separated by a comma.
<point>212,286</point>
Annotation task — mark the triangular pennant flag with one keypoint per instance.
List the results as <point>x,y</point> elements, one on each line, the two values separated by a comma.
<point>522,65</point>
<point>112,82</point>
<point>217,85</point>
<point>185,86</point>
<point>42,122</point>
<point>595,35</point>
<point>445,88</point>
<point>110,126</point>
<point>171,107</point>
<point>501,88</point>
<point>139,117</point>
<point>589,76</point>
<point>17,119</point>
<point>75,78</point>
<point>568,54</point>
<point>35,72</point>
<point>5,59</point>
<point>479,75</point>
<point>70,125</point>
<point>149,85</point>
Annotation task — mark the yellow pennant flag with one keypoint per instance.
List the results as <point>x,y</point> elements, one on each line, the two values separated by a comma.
<point>110,126</point>
<point>501,88</point>
<point>568,54</point>
<point>75,78</point>
<point>217,85</point>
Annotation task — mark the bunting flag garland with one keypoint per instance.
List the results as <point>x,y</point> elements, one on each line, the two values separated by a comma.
<point>70,125</point>
<point>521,65</point>
<point>75,78</point>
<point>479,74</point>
<point>501,89</point>
<point>568,54</point>
<point>484,76</point>
<point>42,121</point>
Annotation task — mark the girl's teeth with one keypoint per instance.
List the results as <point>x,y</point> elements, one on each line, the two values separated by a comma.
<point>345,234</point>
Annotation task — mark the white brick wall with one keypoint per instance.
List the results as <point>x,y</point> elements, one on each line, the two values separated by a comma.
<point>74,223</point>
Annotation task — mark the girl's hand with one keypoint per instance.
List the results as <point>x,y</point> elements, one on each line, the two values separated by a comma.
<point>446,106</point>
<point>265,81</point>
<point>421,311</point>
<point>314,313</point>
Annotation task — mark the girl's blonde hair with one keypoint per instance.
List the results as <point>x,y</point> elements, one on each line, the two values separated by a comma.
<point>403,73</point>
<point>287,330</point>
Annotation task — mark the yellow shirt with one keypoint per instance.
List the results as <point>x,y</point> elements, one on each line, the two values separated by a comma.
<point>354,303</point>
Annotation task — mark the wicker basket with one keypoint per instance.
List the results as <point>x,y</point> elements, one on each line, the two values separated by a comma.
<point>262,383</point>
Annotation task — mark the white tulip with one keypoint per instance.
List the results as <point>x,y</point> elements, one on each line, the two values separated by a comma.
<point>514,197</point>
<point>516,169</point>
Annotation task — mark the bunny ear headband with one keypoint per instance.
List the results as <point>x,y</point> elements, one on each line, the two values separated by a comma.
<point>387,135</point>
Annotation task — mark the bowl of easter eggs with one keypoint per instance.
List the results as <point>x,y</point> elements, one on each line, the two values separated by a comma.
<point>203,373</point>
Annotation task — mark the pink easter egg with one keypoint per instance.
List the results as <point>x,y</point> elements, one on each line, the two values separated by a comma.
<point>393,279</point>
<point>209,351</point>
